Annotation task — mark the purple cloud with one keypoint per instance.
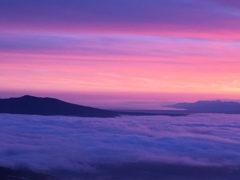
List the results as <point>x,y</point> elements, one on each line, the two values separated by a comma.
<point>149,17</point>
<point>86,144</point>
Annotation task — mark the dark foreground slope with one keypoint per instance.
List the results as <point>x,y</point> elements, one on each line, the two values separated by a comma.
<point>49,106</point>
<point>209,107</point>
<point>22,174</point>
<point>134,170</point>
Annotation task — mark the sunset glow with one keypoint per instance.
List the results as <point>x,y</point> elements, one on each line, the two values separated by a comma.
<point>189,50</point>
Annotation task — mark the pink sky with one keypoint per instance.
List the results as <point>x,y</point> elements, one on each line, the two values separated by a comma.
<point>134,52</point>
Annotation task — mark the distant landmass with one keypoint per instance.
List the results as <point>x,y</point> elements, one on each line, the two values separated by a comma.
<point>209,107</point>
<point>50,106</point>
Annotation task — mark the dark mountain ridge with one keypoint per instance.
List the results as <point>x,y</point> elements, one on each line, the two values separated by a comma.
<point>50,106</point>
<point>209,107</point>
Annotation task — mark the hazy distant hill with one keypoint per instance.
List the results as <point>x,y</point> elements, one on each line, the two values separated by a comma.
<point>49,106</point>
<point>209,107</point>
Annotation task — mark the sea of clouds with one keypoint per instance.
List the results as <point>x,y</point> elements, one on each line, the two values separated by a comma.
<point>187,147</point>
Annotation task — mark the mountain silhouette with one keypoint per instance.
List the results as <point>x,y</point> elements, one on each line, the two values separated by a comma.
<point>209,107</point>
<point>50,106</point>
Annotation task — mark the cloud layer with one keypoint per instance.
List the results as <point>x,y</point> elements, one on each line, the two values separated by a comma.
<point>92,146</point>
<point>83,63</point>
<point>120,46</point>
<point>214,18</point>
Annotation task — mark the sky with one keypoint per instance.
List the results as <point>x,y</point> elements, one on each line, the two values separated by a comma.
<point>137,53</point>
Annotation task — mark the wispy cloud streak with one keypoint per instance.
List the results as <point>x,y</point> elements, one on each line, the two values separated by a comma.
<point>171,18</point>
<point>189,46</point>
